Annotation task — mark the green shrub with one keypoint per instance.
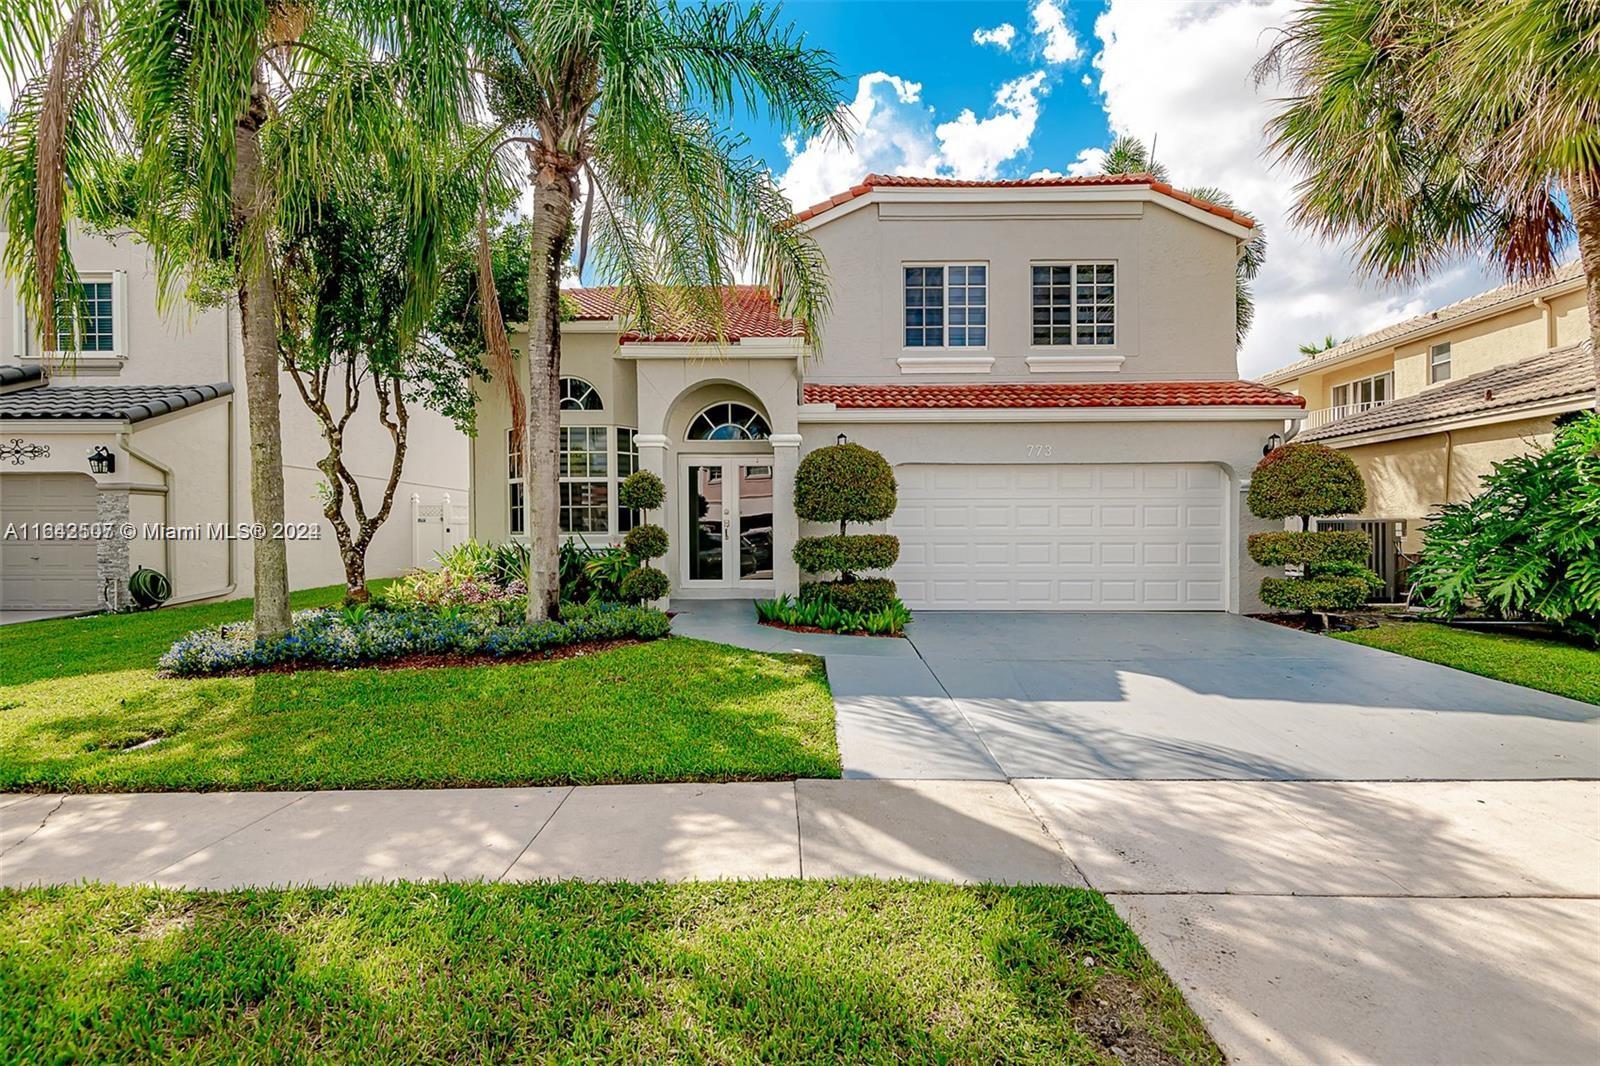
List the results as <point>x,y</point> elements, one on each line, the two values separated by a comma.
<point>1315,593</point>
<point>644,584</point>
<point>862,594</point>
<point>1306,480</point>
<point>604,570</point>
<point>1528,544</point>
<point>1296,549</point>
<point>641,491</point>
<point>646,541</point>
<point>821,614</point>
<point>846,553</point>
<point>844,483</point>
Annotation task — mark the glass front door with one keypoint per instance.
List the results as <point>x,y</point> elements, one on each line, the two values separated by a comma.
<point>729,521</point>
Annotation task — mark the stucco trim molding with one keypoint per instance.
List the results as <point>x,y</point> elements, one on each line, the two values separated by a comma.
<point>651,440</point>
<point>1075,364</point>
<point>827,412</point>
<point>748,348</point>
<point>784,440</point>
<point>945,364</point>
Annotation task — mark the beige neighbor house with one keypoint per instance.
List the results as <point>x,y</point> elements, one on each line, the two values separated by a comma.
<point>1427,406</point>
<point>159,398</point>
<point>1049,366</point>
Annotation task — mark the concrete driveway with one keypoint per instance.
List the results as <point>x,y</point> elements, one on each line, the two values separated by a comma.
<point>1184,696</point>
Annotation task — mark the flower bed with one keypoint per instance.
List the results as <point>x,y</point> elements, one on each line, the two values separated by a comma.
<point>823,616</point>
<point>356,636</point>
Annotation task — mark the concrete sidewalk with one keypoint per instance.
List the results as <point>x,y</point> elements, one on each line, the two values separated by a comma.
<point>1314,922</point>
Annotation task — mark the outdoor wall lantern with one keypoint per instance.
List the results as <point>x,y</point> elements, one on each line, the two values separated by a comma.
<point>841,439</point>
<point>1272,444</point>
<point>102,461</point>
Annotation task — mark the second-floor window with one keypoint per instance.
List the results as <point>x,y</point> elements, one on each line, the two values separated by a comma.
<point>1439,363</point>
<point>947,306</point>
<point>1074,304</point>
<point>1362,393</point>
<point>95,330</point>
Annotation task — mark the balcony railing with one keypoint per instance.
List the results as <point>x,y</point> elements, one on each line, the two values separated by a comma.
<point>1333,414</point>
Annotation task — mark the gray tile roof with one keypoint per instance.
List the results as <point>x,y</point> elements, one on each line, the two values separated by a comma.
<point>16,375</point>
<point>1429,321</point>
<point>1558,374</point>
<point>135,403</point>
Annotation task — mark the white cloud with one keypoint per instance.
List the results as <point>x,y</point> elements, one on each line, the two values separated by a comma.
<point>898,134</point>
<point>1089,161</point>
<point>1000,36</point>
<point>1059,42</point>
<point>1182,70</point>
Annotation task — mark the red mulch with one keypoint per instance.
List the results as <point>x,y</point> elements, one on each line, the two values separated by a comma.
<point>435,661</point>
<point>831,632</point>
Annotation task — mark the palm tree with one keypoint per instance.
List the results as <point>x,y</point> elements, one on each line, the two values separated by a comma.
<point>1128,155</point>
<point>1327,343</point>
<point>619,97</point>
<point>1424,132</point>
<point>169,117</point>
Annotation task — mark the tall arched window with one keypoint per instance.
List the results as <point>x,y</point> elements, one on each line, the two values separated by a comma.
<point>729,421</point>
<point>578,395</point>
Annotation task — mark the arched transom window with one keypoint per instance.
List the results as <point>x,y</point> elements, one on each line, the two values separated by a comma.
<point>578,395</point>
<point>729,421</point>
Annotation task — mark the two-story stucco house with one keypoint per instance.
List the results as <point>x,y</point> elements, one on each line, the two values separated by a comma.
<point>158,398</point>
<point>1428,405</point>
<point>1048,364</point>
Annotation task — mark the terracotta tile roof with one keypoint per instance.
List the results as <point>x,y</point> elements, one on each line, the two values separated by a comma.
<point>1558,374</point>
<point>750,310</point>
<point>1054,394</point>
<point>878,181</point>
<point>135,403</point>
<point>1429,321</point>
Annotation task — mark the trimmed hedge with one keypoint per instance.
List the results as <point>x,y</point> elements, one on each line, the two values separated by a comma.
<point>646,542</point>
<point>844,483</point>
<point>860,596</point>
<point>641,491</point>
<point>1298,480</point>
<point>1297,549</point>
<point>1315,593</point>
<point>846,553</point>
<point>643,585</point>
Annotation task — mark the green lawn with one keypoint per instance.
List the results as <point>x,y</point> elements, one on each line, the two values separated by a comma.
<point>75,694</point>
<point>1537,662</point>
<point>766,971</point>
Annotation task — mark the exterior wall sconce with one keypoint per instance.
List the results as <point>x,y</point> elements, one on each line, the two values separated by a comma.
<point>102,461</point>
<point>841,439</point>
<point>1273,443</point>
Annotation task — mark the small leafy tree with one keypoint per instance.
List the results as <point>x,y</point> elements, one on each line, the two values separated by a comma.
<point>1305,481</point>
<point>846,483</point>
<point>1528,544</point>
<point>644,491</point>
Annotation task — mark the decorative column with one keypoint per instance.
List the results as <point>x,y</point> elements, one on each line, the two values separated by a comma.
<point>785,524</point>
<point>653,457</point>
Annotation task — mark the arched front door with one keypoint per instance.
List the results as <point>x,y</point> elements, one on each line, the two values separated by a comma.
<point>725,480</point>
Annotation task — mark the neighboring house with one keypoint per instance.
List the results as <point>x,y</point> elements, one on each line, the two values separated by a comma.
<point>163,395</point>
<point>1427,406</point>
<point>1049,366</point>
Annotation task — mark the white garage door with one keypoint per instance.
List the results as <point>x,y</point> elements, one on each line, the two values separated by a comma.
<point>39,573</point>
<point>1062,537</point>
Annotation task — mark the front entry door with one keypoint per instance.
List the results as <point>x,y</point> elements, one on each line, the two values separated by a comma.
<point>728,521</point>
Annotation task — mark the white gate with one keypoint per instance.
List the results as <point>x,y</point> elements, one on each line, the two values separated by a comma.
<point>435,527</point>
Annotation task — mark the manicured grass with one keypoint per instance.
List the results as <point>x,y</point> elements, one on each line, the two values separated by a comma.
<point>767,971</point>
<point>76,694</point>
<point>1537,662</point>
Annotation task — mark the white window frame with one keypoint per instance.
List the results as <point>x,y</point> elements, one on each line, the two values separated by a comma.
<point>608,478</point>
<point>1434,362</point>
<point>1116,297</point>
<point>514,482</point>
<point>563,399</point>
<point>689,437</point>
<point>944,265</point>
<point>615,455</point>
<point>27,345</point>
<point>1351,388</point>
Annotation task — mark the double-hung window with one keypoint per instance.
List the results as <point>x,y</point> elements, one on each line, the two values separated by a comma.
<point>1364,393</point>
<point>627,463</point>
<point>94,330</point>
<point>1074,304</point>
<point>1439,363</point>
<point>516,487</point>
<point>585,481</point>
<point>947,306</point>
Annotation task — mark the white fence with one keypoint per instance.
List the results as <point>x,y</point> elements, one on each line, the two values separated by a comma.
<point>435,527</point>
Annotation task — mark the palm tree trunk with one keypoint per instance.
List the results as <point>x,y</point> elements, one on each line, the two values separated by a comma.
<point>257,303</point>
<point>555,195</point>
<point>1586,218</point>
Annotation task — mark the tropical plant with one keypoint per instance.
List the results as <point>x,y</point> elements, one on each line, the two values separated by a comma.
<point>846,483</point>
<point>1128,155</point>
<point>1305,481</point>
<point>607,569</point>
<point>1326,344</point>
<point>1528,544</point>
<point>1426,131</point>
<point>887,620</point>
<point>624,98</point>
<point>172,116</point>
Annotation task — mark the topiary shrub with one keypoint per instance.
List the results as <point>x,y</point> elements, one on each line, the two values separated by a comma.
<point>847,553</point>
<point>844,483</point>
<point>641,491</point>
<point>1306,481</point>
<point>646,542</point>
<point>643,585</point>
<point>862,595</point>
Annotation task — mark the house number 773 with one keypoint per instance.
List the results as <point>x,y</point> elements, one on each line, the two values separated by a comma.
<point>1038,451</point>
